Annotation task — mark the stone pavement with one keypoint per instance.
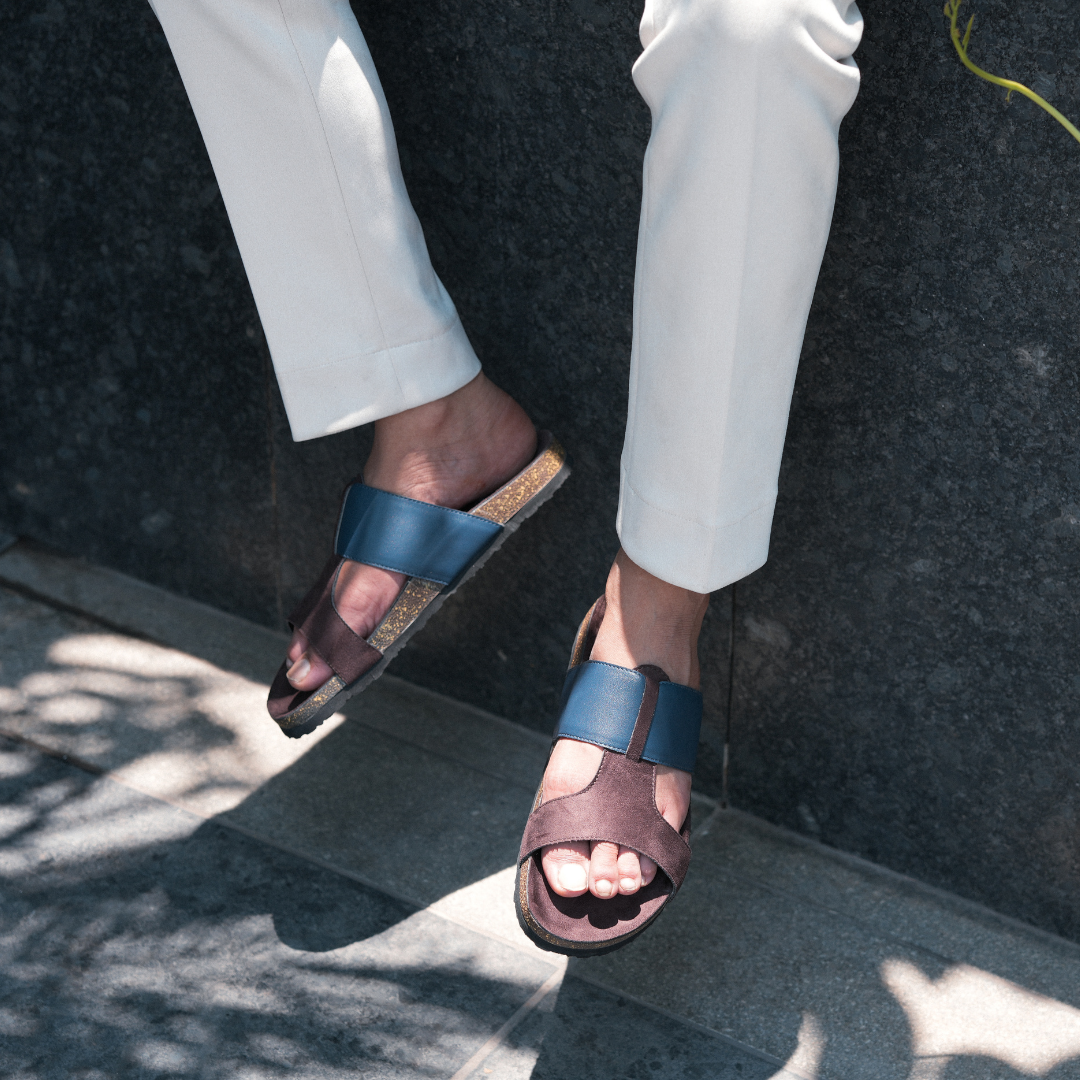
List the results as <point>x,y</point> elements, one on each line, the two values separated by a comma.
<point>185,893</point>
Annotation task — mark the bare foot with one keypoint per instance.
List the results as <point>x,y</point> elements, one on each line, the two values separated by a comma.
<point>450,452</point>
<point>647,621</point>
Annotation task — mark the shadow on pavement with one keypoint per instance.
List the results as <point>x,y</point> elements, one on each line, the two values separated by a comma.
<point>138,943</point>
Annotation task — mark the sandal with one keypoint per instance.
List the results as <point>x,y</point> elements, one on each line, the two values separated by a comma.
<point>642,720</point>
<point>438,548</point>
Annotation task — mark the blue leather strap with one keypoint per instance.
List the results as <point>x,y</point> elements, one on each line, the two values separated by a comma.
<point>601,703</point>
<point>411,537</point>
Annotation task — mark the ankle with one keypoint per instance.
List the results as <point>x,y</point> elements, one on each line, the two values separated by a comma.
<point>453,450</point>
<point>649,621</point>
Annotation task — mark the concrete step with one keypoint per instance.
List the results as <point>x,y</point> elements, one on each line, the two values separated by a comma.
<point>343,901</point>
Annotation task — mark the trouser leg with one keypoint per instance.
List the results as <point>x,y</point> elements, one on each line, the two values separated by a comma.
<point>739,184</point>
<point>294,119</point>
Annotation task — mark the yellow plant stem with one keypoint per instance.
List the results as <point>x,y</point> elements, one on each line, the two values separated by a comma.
<point>952,11</point>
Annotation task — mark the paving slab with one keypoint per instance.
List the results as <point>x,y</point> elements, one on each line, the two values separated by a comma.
<point>885,972</point>
<point>169,723</point>
<point>138,940</point>
<point>182,717</point>
<point>586,1031</point>
<point>136,609</point>
<point>891,905</point>
<point>420,824</point>
<point>779,957</point>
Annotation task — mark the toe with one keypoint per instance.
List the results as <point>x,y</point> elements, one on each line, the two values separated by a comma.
<point>604,869</point>
<point>648,870</point>
<point>306,669</point>
<point>308,672</point>
<point>566,868</point>
<point>629,871</point>
<point>299,671</point>
<point>297,647</point>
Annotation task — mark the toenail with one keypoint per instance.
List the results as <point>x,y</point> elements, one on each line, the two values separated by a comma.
<point>572,877</point>
<point>628,884</point>
<point>603,889</point>
<point>299,670</point>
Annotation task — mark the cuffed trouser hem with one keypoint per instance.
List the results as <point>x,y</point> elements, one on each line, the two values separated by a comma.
<point>687,553</point>
<point>739,180</point>
<point>298,130</point>
<point>361,389</point>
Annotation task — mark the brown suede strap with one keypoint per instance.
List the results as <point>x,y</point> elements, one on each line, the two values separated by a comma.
<point>348,654</point>
<point>587,631</point>
<point>312,597</point>
<point>619,805</point>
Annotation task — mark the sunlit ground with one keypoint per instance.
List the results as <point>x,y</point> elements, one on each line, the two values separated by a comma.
<point>154,933</point>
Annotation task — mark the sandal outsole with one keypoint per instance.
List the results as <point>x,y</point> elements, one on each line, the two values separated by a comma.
<point>568,948</point>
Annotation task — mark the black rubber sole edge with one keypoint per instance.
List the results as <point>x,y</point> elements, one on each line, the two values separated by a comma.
<point>569,948</point>
<point>365,680</point>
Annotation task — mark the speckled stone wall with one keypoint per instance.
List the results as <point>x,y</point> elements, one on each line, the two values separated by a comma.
<point>907,671</point>
<point>904,678</point>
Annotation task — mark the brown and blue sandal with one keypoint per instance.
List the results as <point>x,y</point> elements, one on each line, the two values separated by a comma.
<point>438,548</point>
<point>642,720</point>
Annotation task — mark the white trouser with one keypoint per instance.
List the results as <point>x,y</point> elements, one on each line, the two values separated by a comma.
<point>740,178</point>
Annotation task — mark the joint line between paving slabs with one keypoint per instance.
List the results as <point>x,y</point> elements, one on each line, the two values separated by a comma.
<point>49,751</point>
<point>30,593</point>
<point>552,983</point>
<point>223,821</point>
<point>216,819</point>
<point>685,1021</point>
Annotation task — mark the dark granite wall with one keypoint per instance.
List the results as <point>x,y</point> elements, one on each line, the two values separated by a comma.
<point>907,672</point>
<point>904,678</point>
